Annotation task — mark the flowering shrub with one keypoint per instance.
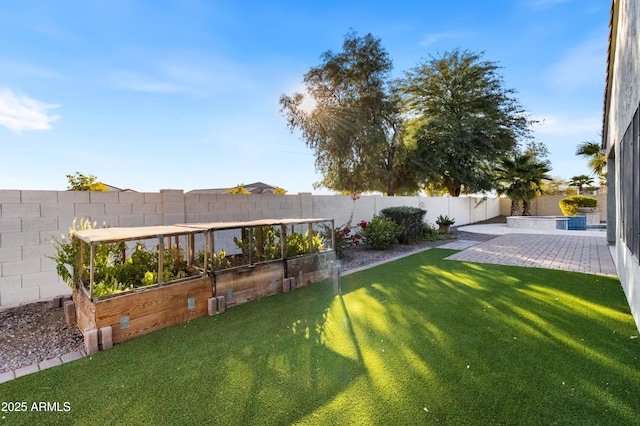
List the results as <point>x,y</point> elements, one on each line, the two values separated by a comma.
<point>346,236</point>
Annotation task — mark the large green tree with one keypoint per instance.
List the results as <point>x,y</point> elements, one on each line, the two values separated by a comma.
<point>356,125</point>
<point>462,121</point>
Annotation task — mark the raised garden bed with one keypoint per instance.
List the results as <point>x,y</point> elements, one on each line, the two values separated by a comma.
<point>274,257</point>
<point>139,308</point>
<point>188,278</point>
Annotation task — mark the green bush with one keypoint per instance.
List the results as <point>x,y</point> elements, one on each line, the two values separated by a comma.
<point>570,205</point>
<point>381,233</point>
<point>428,232</point>
<point>409,218</point>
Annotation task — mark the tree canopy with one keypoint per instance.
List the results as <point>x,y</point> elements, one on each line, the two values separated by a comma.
<point>81,182</point>
<point>239,189</point>
<point>597,158</point>
<point>462,121</point>
<point>580,181</point>
<point>355,127</point>
<point>443,127</point>
<point>521,178</point>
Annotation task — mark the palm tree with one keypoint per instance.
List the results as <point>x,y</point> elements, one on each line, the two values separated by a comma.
<point>580,181</point>
<point>520,178</point>
<point>596,156</point>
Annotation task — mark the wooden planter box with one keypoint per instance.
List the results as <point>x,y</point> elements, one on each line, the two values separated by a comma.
<point>146,309</point>
<point>122,316</point>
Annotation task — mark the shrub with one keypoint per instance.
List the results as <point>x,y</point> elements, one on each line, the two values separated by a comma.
<point>381,233</point>
<point>445,220</point>
<point>409,218</point>
<point>344,236</point>
<point>570,205</point>
<point>428,232</point>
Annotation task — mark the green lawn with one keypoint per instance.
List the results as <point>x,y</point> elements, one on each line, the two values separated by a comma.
<point>417,341</point>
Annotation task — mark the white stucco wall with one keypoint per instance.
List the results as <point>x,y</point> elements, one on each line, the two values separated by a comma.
<point>623,100</point>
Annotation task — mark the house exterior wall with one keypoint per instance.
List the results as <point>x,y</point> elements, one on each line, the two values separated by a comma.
<point>622,102</point>
<point>29,220</point>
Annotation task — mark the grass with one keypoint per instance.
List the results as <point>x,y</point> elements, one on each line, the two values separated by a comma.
<point>417,341</point>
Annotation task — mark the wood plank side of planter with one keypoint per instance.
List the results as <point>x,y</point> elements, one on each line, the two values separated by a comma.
<point>85,311</point>
<point>157,321</point>
<point>258,291</point>
<point>313,277</point>
<point>152,301</point>
<point>244,279</point>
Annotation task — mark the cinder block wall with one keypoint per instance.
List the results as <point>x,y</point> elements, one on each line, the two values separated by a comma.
<point>29,220</point>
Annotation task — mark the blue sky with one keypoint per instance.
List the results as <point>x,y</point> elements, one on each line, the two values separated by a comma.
<point>184,94</point>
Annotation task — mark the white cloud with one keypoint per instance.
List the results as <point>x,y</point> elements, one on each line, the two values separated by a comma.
<point>563,126</point>
<point>435,37</point>
<point>20,113</point>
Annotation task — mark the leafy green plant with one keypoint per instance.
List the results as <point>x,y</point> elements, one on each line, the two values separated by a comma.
<point>409,218</point>
<point>131,272</point>
<point>110,286</point>
<point>445,220</point>
<point>571,205</point>
<point>266,243</point>
<point>67,256</point>
<point>381,233</point>
<point>298,243</point>
<point>113,272</point>
<point>218,262</point>
<point>428,232</point>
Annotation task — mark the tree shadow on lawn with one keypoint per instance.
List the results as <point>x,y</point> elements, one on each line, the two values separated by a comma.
<point>477,343</point>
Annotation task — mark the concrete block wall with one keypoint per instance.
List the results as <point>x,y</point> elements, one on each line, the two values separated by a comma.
<point>29,220</point>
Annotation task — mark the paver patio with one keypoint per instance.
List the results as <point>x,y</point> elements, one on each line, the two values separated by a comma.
<point>586,254</point>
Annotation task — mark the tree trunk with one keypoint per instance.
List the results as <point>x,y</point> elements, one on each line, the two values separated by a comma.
<point>390,188</point>
<point>514,207</point>
<point>454,191</point>
<point>526,205</point>
<point>391,154</point>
